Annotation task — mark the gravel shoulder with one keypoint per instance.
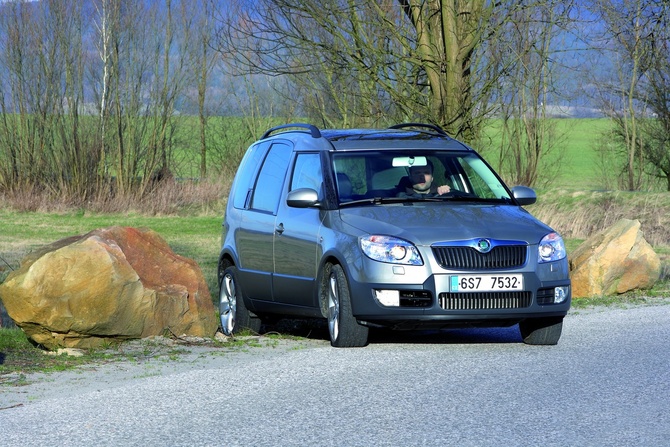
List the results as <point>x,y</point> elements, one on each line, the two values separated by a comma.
<point>159,357</point>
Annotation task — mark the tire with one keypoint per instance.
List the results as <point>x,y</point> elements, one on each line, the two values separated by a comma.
<point>235,317</point>
<point>344,330</point>
<point>541,331</point>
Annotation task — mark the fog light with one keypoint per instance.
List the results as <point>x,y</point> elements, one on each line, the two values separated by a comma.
<point>389,298</point>
<point>561,294</point>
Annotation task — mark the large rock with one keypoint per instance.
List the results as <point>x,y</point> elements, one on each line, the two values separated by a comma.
<point>614,261</point>
<point>108,285</point>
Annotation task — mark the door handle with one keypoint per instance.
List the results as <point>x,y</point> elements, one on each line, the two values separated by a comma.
<point>279,229</point>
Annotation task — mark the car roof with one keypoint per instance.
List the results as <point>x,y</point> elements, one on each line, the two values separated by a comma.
<point>401,136</point>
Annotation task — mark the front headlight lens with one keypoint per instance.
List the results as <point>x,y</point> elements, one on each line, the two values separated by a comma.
<point>390,249</point>
<point>551,248</point>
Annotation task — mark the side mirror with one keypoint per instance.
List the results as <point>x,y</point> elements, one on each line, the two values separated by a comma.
<point>302,198</point>
<point>524,195</point>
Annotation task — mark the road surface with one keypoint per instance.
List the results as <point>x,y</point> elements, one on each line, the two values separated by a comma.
<point>607,383</point>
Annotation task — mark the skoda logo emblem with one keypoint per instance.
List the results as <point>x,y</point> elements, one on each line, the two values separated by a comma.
<point>483,245</point>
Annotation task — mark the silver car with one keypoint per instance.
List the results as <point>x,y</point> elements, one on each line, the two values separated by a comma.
<point>402,228</point>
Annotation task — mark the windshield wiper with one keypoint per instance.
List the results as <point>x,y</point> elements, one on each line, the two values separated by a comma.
<point>467,198</point>
<point>414,199</point>
<point>379,200</point>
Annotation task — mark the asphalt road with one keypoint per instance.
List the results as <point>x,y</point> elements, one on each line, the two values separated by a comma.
<point>607,383</point>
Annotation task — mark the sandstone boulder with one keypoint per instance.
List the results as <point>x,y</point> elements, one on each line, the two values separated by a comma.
<point>614,261</point>
<point>108,285</point>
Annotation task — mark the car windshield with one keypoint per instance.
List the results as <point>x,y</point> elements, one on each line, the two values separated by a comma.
<point>381,176</point>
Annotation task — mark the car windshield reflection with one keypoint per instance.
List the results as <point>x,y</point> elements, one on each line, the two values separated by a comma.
<point>396,177</point>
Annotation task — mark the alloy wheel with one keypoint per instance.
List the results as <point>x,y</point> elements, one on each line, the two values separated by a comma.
<point>227,304</point>
<point>333,307</point>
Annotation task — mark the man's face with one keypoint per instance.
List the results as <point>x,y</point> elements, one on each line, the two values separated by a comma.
<point>421,177</point>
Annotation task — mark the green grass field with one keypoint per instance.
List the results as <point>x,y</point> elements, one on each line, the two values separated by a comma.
<point>580,168</point>
<point>577,139</point>
<point>578,165</point>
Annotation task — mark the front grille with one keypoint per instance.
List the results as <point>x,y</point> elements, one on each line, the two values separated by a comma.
<point>485,300</point>
<point>467,258</point>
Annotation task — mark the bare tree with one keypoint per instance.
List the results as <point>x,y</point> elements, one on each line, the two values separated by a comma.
<point>654,89</point>
<point>413,59</point>
<point>326,49</point>
<point>47,142</point>
<point>145,77</point>
<point>527,95</point>
<point>90,91</point>
<point>106,25</point>
<point>630,27</point>
<point>75,151</point>
<point>18,142</point>
<point>447,35</point>
<point>202,60</point>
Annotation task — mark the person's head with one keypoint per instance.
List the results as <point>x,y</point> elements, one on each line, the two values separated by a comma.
<point>421,177</point>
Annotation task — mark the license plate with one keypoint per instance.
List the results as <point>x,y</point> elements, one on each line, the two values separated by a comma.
<point>485,283</point>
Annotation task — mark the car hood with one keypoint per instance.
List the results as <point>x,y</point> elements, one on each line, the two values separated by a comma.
<point>426,224</point>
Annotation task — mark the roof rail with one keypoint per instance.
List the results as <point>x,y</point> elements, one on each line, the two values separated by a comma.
<point>437,129</point>
<point>313,130</point>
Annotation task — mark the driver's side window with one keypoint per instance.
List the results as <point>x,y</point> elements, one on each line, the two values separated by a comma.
<point>307,172</point>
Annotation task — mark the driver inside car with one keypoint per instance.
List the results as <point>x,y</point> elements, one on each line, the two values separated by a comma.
<point>421,179</point>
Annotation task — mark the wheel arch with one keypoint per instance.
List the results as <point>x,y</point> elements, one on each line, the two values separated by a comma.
<point>226,259</point>
<point>322,279</point>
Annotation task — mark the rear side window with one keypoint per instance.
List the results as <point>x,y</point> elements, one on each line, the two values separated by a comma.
<point>245,174</point>
<point>270,182</point>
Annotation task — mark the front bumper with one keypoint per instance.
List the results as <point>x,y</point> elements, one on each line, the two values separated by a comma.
<point>431,304</point>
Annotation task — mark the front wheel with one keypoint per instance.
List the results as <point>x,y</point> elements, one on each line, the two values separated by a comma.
<point>343,328</point>
<point>233,312</point>
<point>541,331</point>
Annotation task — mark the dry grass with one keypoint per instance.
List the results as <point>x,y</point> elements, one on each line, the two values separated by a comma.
<point>168,197</point>
<point>579,214</point>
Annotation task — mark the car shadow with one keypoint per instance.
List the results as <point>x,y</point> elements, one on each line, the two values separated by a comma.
<point>317,329</point>
<point>313,329</point>
<point>447,336</point>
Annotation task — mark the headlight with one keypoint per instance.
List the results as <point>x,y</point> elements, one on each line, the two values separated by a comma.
<point>390,249</point>
<point>551,248</point>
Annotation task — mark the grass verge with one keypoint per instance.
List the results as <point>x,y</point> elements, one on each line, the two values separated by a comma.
<point>19,357</point>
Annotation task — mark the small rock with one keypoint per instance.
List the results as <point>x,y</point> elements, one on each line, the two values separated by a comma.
<point>73,352</point>
<point>221,337</point>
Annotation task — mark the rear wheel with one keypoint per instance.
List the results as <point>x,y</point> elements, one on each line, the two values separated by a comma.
<point>233,312</point>
<point>541,331</point>
<point>343,328</point>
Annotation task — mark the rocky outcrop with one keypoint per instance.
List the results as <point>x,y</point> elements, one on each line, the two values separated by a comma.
<point>614,261</point>
<point>109,285</point>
